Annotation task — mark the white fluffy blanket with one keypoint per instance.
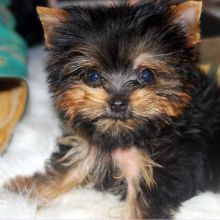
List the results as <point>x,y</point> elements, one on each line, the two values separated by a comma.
<point>32,143</point>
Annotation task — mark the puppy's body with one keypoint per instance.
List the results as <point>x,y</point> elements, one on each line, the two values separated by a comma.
<point>143,120</point>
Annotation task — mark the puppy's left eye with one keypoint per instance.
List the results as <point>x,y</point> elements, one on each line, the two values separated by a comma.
<point>146,76</point>
<point>93,77</point>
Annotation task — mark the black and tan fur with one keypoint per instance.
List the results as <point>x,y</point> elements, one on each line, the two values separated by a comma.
<point>165,148</point>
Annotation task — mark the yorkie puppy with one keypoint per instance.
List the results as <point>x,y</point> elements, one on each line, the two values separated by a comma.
<point>142,120</point>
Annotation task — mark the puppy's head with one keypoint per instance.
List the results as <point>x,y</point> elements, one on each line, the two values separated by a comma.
<point>114,69</point>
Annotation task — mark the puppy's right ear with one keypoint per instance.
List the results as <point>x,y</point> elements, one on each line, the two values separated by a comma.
<point>51,18</point>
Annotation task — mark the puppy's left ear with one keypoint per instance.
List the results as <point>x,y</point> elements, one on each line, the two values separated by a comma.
<point>187,15</point>
<point>51,18</point>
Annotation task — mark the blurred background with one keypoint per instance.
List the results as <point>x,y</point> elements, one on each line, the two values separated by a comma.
<point>20,30</point>
<point>29,27</point>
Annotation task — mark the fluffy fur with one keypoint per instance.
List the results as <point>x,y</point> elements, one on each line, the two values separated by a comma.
<point>26,155</point>
<point>164,148</point>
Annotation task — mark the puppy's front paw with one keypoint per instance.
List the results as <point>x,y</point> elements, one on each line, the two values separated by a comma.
<point>20,184</point>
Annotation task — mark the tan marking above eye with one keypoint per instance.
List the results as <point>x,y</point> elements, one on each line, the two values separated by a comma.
<point>148,61</point>
<point>77,64</point>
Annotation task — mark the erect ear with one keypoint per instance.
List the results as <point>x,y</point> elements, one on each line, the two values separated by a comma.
<point>187,15</point>
<point>50,18</point>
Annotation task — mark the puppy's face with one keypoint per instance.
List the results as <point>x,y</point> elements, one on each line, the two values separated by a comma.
<point>116,68</point>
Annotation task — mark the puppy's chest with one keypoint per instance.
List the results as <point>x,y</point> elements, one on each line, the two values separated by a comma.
<point>124,170</point>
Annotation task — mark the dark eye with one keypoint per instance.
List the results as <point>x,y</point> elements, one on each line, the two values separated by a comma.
<point>93,77</point>
<point>146,76</point>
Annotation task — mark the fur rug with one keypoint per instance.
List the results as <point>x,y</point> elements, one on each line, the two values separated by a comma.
<point>34,140</point>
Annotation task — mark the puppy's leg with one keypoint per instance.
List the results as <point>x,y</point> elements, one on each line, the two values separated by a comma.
<point>67,168</point>
<point>45,186</point>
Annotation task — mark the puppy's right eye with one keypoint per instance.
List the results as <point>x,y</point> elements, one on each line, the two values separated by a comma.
<point>93,78</point>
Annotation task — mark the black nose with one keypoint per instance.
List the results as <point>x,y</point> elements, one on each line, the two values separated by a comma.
<point>118,103</point>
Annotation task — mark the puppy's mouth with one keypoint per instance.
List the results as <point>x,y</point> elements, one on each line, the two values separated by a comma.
<point>122,115</point>
<point>114,117</point>
<point>115,123</point>
<point>118,116</point>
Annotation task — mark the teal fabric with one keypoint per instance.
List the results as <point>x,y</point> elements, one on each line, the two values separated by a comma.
<point>6,18</point>
<point>13,49</point>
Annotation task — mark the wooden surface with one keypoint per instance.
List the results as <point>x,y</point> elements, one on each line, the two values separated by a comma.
<point>13,95</point>
<point>210,56</point>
